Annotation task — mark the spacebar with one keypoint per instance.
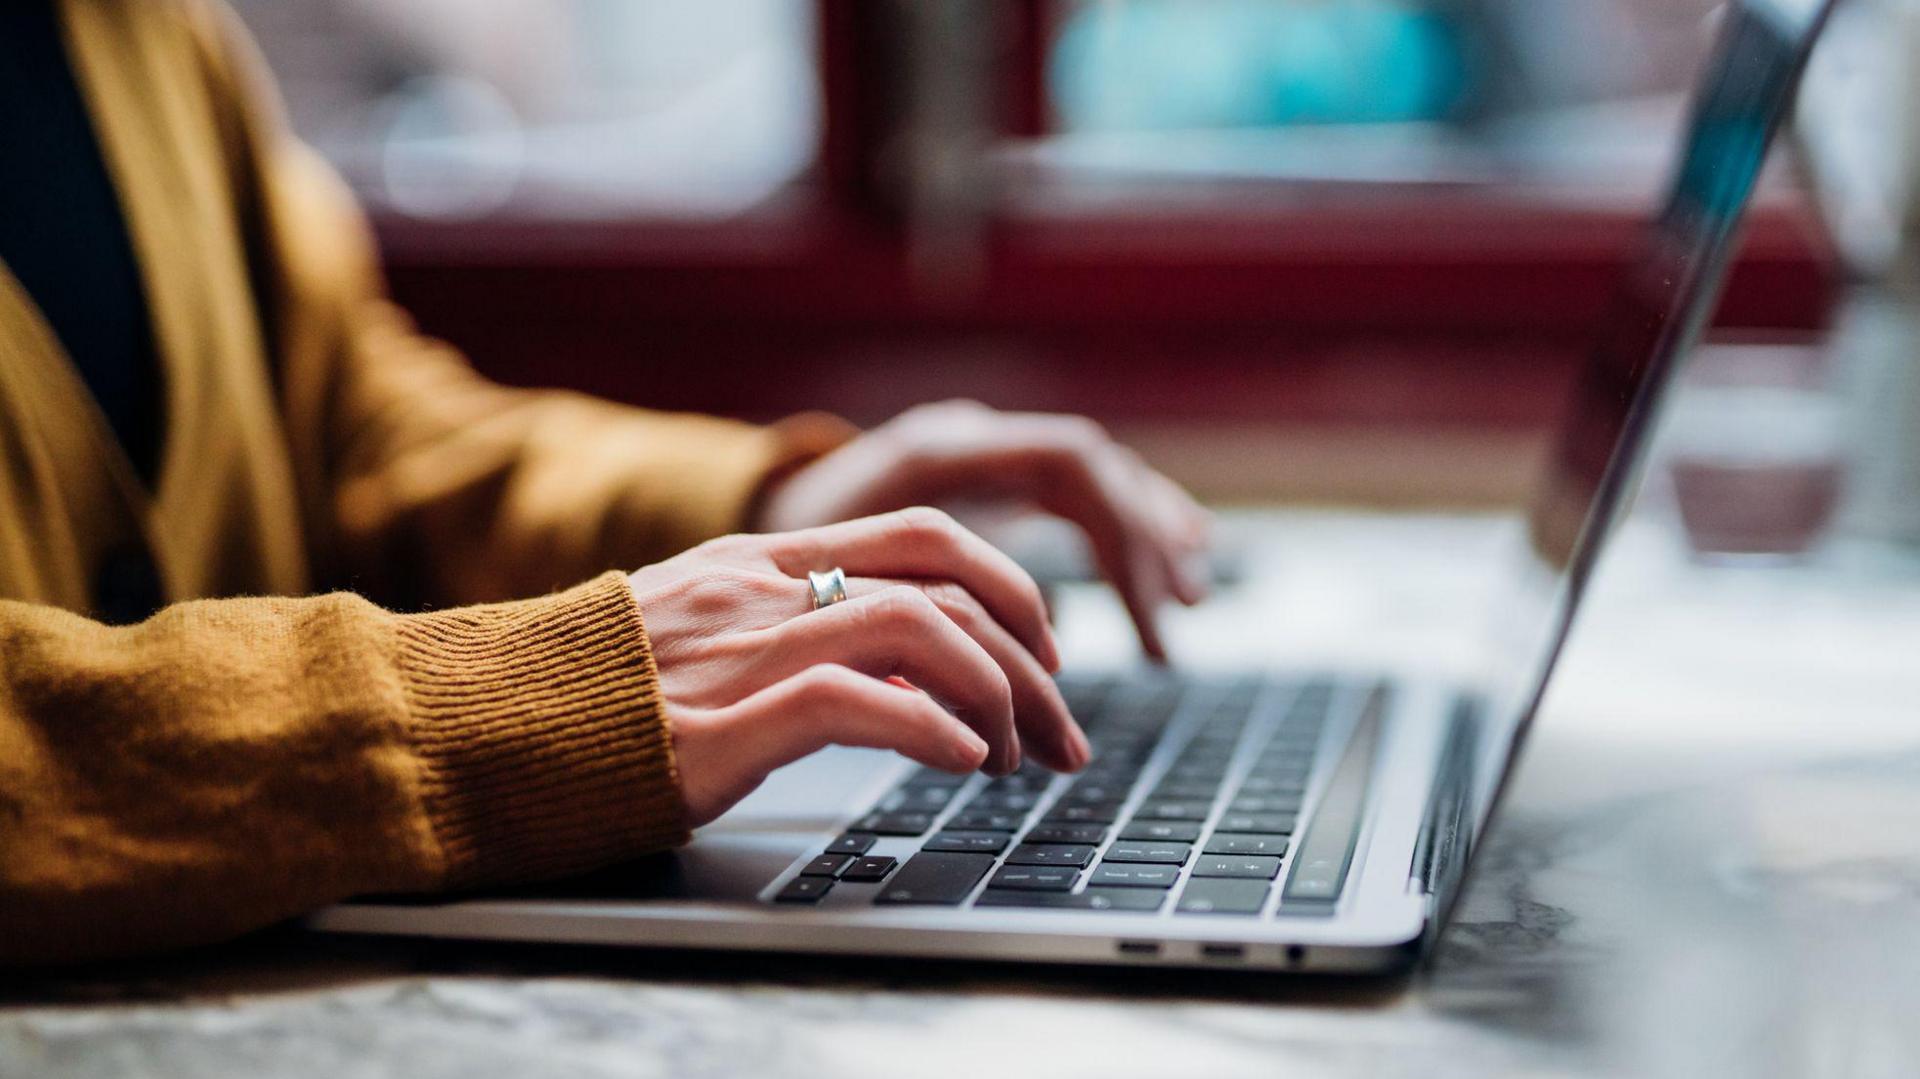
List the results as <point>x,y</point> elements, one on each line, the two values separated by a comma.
<point>937,878</point>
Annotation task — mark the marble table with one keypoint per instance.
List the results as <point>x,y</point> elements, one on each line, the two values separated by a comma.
<point>1710,866</point>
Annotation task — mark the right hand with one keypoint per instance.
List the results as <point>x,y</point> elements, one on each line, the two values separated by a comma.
<point>941,652</point>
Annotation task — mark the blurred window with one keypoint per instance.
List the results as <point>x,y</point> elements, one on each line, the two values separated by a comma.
<point>1371,90</point>
<point>551,108</point>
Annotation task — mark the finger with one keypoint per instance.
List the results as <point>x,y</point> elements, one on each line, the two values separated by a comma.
<point>1076,473</point>
<point>1040,715</point>
<point>925,543</point>
<point>895,632</point>
<point>1184,531</point>
<point>832,705</point>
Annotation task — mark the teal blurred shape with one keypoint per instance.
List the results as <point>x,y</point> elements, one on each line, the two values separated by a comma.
<point>1156,65</point>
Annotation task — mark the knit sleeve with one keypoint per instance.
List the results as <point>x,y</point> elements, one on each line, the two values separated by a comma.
<point>231,763</point>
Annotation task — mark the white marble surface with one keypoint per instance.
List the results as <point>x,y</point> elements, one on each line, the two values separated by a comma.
<point>1711,866</point>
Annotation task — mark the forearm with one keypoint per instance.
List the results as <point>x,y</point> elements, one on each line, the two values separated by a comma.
<point>231,763</point>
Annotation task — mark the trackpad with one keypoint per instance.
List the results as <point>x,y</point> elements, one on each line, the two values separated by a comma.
<point>813,795</point>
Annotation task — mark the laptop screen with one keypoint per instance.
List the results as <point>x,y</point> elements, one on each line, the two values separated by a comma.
<point>1662,304</point>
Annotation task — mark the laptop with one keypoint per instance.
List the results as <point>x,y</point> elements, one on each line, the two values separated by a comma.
<point>1275,821</point>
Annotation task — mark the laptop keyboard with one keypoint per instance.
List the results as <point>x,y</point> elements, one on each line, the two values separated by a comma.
<point>1196,800</point>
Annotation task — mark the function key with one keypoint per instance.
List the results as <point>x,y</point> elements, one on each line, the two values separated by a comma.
<point>869,868</point>
<point>804,890</point>
<point>851,843</point>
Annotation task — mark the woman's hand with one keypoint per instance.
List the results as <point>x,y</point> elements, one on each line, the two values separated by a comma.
<point>941,651</point>
<point>1148,537</point>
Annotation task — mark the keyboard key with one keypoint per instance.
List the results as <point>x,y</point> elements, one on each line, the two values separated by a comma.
<point>1133,850</point>
<point>1035,878</point>
<point>870,868</point>
<point>1103,813</point>
<point>933,777</point>
<point>1258,784</point>
<point>1173,811</point>
<point>974,842</point>
<point>1264,823</point>
<point>1021,802</point>
<point>1128,875</point>
<point>1135,900</point>
<point>804,890</point>
<point>1175,831</point>
<point>1216,895</point>
<point>1067,833</point>
<point>938,878</point>
<point>827,865</point>
<point>1227,843</point>
<point>893,823</point>
<point>1177,791</point>
<point>919,799</point>
<point>1230,865</point>
<point>1051,854</point>
<point>987,822</point>
<point>851,843</point>
<point>1265,803</point>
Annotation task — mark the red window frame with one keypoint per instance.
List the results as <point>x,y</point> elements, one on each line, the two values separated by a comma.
<point>1450,308</point>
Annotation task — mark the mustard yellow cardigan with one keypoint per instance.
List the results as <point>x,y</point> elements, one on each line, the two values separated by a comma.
<point>255,750</point>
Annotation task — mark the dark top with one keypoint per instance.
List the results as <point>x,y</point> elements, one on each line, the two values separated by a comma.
<point>62,233</point>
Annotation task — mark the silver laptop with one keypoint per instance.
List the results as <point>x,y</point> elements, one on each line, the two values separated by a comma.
<point>1275,821</point>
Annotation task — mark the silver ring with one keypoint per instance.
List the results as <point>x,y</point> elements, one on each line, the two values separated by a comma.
<point>828,588</point>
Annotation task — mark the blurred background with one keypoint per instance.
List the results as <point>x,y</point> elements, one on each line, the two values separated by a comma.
<point>1342,251</point>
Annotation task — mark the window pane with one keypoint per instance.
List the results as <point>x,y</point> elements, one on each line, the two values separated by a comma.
<point>574,108</point>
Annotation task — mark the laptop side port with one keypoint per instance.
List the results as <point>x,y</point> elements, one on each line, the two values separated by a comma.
<point>1234,952</point>
<point>1143,948</point>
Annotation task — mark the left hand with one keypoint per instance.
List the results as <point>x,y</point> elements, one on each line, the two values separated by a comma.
<point>1148,537</point>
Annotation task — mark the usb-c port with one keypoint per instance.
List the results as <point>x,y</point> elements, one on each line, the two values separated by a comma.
<point>1139,947</point>
<point>1224,951</point>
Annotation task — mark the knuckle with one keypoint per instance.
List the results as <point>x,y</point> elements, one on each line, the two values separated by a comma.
<point>903,607</point>
<point>928,521</point>
<point>828,682</point>
<point>1081,433</point>
<point>957,603</point>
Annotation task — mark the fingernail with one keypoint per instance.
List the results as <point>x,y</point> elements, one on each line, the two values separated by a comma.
<point>976,754</point>
<point>1197,574</point>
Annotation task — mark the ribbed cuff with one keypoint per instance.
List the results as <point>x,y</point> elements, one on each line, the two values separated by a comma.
<point>541,734</point>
